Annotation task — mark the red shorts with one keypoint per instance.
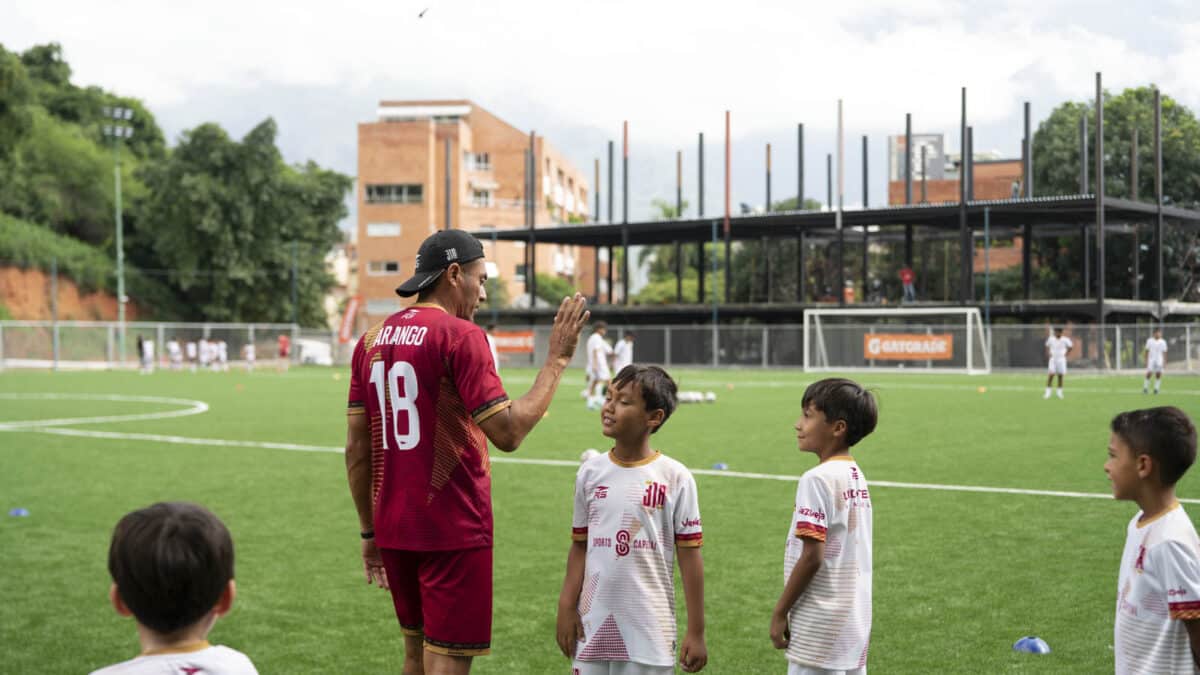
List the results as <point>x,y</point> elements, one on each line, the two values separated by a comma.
<point>444,595</point>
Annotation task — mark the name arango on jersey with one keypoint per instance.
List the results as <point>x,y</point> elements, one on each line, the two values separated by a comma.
<point>401,335</point>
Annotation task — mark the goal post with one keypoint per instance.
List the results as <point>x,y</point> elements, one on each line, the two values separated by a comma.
<point>905,340</point>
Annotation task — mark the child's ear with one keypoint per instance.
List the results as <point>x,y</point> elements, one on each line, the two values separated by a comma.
<point>114,596</point>
<point>1145,465</point>
<point>839,427</point>
<point>225,602</point>
<point>657,417</point>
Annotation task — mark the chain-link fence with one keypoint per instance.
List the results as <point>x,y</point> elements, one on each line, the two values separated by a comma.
<point>97,345</point>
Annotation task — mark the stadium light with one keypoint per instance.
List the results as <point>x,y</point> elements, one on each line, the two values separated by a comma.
<point>118,130</point>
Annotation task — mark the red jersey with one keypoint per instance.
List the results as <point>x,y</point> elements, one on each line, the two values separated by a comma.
<point>426,380</point>
<point>285,345</point>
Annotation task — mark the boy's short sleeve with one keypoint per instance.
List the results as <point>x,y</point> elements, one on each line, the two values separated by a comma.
<point>1070,342</point>
<point>813,504</point>
<point>1180,565</point>
<point>579,517</point>
<point>686,519</point>
<point>1049,341</point>
<point>475,376</point>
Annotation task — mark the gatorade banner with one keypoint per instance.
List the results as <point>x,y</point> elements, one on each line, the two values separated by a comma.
<point>346,330</point>
<point>908,347</point>
<point>514,341</point>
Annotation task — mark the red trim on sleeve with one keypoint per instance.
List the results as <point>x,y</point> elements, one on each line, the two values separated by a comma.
<point>579,534</point>
<point>1184,610</point>
<point>810,531</point>
<point>691,540</point>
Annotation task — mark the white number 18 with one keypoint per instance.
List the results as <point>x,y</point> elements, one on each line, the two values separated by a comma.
<point>403,398</point>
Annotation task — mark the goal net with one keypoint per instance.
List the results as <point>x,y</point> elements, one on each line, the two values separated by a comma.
<point>942,339</point>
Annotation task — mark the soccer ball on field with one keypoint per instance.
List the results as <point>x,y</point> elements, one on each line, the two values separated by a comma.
<point>711,397</point>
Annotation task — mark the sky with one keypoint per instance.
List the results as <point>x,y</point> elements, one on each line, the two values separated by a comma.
<point>574,71</point>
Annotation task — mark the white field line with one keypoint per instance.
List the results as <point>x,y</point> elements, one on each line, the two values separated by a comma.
<point>505,459</point>
<point>192,407</point>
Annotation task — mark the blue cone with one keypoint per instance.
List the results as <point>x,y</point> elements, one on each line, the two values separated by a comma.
<point>1031,644</point>
<point>720,466</point>
<point>19,513</point>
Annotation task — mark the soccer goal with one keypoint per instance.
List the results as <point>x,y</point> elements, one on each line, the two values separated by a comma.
<point>922,340</point>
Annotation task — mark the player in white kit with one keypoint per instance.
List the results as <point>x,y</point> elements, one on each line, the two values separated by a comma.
<point>1157,627</point>
<point>598,373</point>
<point>823,616</point>
<point>175,353</point>
<point>248,355</point>
<point>192,354</point>
<point>636,512</point>
<point>1156,361</point>
<point>623,352</point>
<point>1057,348</point>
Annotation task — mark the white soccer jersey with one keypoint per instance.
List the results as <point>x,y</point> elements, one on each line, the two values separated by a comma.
<point>174,351</point>
<point>222,352</point>
<point>191,351</point>
<point>148,350</point>
<point>632,518</point>
<point>622,355</point>
<point>249,350</point>
<point>1155,350</point>
<point>208,660</point>
<point>495,353</point>
<point>205,352</point>
<point>830,624</point>
<point>1159,584</point>
<point>598,350</point>
<point>1059,346</point>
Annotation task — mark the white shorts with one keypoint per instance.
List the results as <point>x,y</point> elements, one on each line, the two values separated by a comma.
<point>618,668</point>
<point>1154,366</point>
<point>800,669</point>
<point>602,374</point>
<point>1058,365</point>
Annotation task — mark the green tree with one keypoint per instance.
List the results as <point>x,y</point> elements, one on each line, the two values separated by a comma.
<point>229,221</point>
<point>497,293</point>
<point>553,289</point>
<point>1056,157</point>
<point>16,96</point>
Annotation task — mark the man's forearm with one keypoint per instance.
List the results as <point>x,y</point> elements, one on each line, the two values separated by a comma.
<point>358,474</point>
<point>528,410</point>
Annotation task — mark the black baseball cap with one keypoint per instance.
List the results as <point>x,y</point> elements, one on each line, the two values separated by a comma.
<point>435,255</point>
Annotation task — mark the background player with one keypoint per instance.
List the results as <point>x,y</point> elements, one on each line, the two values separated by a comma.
<point>1156,360</point>
<point>491,328</point>
<point>1157,628</point>
<point>175,353</point>
<point>285,351</point>
<point>1057,348</point>
<point>598,373</point>
<point>424,394</point>
<point>172,570</point>
<point>823,617</point>
<point>636,510</point>
<point>623,352</point>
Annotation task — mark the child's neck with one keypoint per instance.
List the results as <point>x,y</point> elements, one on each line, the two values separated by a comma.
<point>188,639</point>
<point>825,453</point>
<point>633,450</point>
<point>1156,501</point>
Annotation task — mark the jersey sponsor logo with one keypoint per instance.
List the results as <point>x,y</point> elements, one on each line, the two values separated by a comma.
<point>1139,565</point>
<point>622,543</point>
<point>854,472</point>
<point>601,542</point>
<point>691,522</point>
<point>854,495</point>
<point>1176,591</point>
<point>655,496</point>
<point>601,492</point>
<point>401,335</point>
<point>815,514</point>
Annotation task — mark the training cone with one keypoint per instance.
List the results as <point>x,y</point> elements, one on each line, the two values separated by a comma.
<point>19,513</point>
<point>721,466</point>
<point>1031,644</point>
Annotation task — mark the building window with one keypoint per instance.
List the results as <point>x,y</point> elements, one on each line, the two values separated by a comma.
<point>481,198</point>
<point>477,161</point>
<point>519,273</point>
<point>383,229</point>
<point>395,193</point>
<point>378,268</point>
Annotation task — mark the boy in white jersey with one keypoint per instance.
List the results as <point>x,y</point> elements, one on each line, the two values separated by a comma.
<point>1157,628</point>
<point>1057,348</point>
<point>175,353</point>
<point>1156,360</point>
<point>623,352</point>
<point>598,373</point>
<point>823,617</point>
<point>172,570</point>
<point>636,511</point>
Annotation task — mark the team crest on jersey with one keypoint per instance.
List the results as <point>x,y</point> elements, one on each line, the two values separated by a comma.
<point>1139,564</point>
<point>655,496</point>
<point>601,492</point>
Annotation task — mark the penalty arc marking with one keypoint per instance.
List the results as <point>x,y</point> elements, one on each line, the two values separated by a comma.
<point>192,407</point>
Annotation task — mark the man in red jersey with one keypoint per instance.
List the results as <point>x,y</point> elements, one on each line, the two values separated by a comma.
<point>424,400</point>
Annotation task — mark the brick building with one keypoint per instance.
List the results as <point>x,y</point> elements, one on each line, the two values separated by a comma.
<point>401,196</point>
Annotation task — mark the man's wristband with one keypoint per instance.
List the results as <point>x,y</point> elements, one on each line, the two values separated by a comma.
<point>369,534</point>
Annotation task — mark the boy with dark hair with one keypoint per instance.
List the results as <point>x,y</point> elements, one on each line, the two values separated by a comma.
<point>636,511</point>
<point>172,570</point>
<point>1157,628</point>
<point>823,617</point>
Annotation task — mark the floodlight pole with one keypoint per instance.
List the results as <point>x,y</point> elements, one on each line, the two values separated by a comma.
<point>116,131</point>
